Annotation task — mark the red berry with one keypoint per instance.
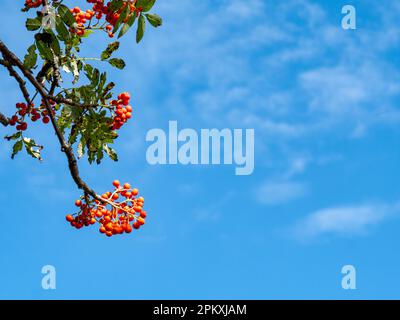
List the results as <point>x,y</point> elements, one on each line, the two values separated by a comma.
<point>128,228</point>
<point>136,225</point>
<point>116,183</point>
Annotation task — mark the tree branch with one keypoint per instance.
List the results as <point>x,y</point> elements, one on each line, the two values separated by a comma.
<point>12,59</point>
<point>21,82</point>
<point>50,95</point>
<point>4,120</point>
<point>70,103</point>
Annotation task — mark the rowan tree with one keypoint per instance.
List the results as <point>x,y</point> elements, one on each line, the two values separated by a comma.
<point>62,89</point>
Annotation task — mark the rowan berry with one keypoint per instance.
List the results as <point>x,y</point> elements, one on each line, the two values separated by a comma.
<point>33,3</point>
<point>116,183</point>
<point>114,218</point>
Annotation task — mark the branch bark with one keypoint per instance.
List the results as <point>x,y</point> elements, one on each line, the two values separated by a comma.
<point>70,103</point>
<point>21,82</point>
<point>3,120</point>
<point>11,59</point>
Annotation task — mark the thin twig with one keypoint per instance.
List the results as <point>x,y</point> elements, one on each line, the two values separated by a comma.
<point>21,82</point>
<point>70,102</point>
<point>11,58</point>
<point>4,120</point>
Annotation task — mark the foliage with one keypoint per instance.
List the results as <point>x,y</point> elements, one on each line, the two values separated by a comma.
<point>73,95</point>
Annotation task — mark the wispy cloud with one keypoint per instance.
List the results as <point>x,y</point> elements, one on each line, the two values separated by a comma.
<point>280,192</point>
<point>286,69</point>
<point>343,221</point>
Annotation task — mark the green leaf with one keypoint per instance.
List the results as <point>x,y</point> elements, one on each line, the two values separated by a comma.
<point>103,79</point>
<point>44,50</point>
<point>17,148</point>
<point>66,15</point>
<point>111,48</point>
<point>31,57</point>
<point>88,71</point>
<point>55,45</point>
<point>127,25</point>
<point>141,28</point>
<point>15,136</point>
<point>81,149</point>
<point>146,5</point>
<point>106,92</point>
<point>95,78</point>
<point>32,148</point>
<point>100,156</point>
<point>154,20</point>
<point>118,63</point>
<point>72,67</point>
<point>121,18</point>
<point>62,30</point>
<point>87,33</point>
<point>33,24</point>
<point>111,152</point>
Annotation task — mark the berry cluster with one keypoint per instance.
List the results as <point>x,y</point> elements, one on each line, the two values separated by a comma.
<point>81,18</point>
<point>33,3</point>
<point>114,217</point>
<point>24,110</point>
<point>101,8</point>
<point>122,110</point>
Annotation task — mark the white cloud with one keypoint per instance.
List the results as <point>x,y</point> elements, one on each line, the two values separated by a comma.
<point>238,66</point>
<point>280,192</point>
<point>343,221</point>
<point>297,166</point>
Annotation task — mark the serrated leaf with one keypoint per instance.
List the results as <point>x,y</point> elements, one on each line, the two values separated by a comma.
<point>17,148</point>
<point>100,156</point>
<point>31,57</point>
<point>154,20</point>
<point>80,149</point>
<point>121,18</point>
<point>111,48</point>
<point>33,24</point>
<point>111,152</point>
<point>55,45</point>
<point>107,89</point>
<point>146,5</point>
<point>32,148</point>
<point>72,67</point>
<point>14,137</point>
<point>141,28</point>
<point>62,31</point>
<point>118,63</point>
<point>66,15</point>
<point>96,78</point>
<point>88,71</point>
<point>44,50</point>
<point>127,25</point>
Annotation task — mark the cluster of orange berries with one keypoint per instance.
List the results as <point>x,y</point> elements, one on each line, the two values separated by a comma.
<point>81,18</point>
<point>33,3</point>
<point>122,109</point>
<point>114,217</point>
<point>100,9</point>
<point>35,114</point>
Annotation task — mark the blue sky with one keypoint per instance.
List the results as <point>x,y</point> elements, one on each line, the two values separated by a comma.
<point>324,103</point>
